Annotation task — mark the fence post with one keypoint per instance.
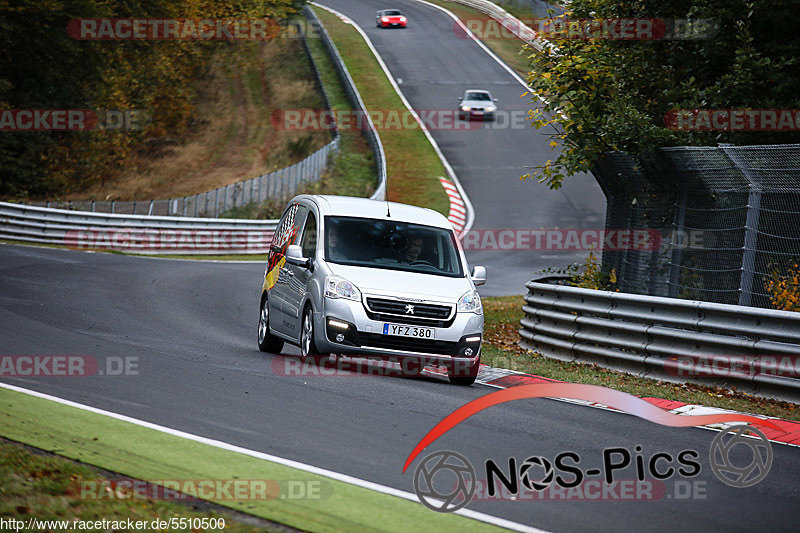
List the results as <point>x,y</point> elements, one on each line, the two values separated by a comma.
<point>750,226</point>
<point>92,206</point>
<point>150,209</point>
<point>112,206</point>
<point>216,202</point>
<point>677,250</point>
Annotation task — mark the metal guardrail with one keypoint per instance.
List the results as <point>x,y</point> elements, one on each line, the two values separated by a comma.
<point>124,230</point>
<point>509,21</point>
<point>353,95</point>
<point>137,234</point>
<point>279,184</point>
<point>676,339</point>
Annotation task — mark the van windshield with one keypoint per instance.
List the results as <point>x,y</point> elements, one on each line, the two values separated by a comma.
<point>391,245</point>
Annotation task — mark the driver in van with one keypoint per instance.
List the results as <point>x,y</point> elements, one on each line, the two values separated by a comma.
<point>413,249</point>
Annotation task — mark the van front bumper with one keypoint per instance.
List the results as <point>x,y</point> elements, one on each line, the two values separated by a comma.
<point>363,336</point>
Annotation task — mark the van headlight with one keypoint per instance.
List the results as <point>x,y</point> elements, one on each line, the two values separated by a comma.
<point>336,287</point>
<point>470,303</point>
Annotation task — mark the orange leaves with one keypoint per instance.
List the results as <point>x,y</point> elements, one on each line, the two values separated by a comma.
<point>784,289</point>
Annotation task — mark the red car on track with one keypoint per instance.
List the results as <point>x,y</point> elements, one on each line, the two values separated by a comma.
<point>390,18</point>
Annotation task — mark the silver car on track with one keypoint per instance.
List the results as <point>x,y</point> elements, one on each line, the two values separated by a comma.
<point>477,104</point>
<point>364,278</point>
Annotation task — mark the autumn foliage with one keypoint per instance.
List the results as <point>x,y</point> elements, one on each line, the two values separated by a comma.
<point>42,67</point>
<point>784,289</point>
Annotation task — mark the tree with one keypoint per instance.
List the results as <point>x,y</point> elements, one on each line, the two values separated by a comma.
<point>42,67</point>
<point>599,95</point>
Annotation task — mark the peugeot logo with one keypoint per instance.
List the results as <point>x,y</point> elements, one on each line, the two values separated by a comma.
<point>409,309</point>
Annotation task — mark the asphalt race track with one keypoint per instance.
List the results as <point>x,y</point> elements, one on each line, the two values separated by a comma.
<point>433,66</point>
<point>192,327</point>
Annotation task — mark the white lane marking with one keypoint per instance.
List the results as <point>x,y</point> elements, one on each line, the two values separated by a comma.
<point>482,45</point>
<point>344,478</point>
<point>450,172</point>
<point>489,51</point>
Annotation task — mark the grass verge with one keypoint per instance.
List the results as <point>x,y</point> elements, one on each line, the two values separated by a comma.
<point>352,171</point>
<point>413,168</point>
<point>501,349</point>
<point>150,455</point>
<point>231,137</point>
<point>46,487</point>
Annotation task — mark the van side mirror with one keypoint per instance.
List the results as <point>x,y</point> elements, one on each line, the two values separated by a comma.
<point>294,256</point>
<point>478,275</point>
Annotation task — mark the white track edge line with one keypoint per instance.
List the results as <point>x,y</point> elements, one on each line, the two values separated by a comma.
<point>344,478</point>
<point>450,172</point>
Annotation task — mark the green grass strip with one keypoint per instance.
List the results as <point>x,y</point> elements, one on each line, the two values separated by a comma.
<point>148,454</point>
<point>413,168</point>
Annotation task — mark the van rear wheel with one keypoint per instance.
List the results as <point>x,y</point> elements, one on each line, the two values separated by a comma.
<point>267,342</point>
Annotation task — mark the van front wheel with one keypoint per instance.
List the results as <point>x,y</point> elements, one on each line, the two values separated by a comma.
<point>308,348</point>
<point>459,375</point>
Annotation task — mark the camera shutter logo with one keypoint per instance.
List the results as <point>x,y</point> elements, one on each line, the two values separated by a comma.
<point>735,475</point>
<point>451,467</point>
<point>525,473</point>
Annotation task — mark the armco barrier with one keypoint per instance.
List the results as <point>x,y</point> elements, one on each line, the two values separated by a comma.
<point>509,21</point>
<point>137,234</point>
<point>671,338</point>
<point>281,183</point>
<point>354,96</point>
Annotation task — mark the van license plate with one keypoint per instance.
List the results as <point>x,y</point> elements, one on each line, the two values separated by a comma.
<point>401,330</point>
